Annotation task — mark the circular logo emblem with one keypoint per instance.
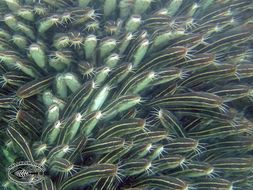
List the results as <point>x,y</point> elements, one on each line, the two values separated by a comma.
<point>26,173</point>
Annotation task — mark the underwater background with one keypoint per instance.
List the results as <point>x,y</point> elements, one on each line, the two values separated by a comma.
<point>127,94</point>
